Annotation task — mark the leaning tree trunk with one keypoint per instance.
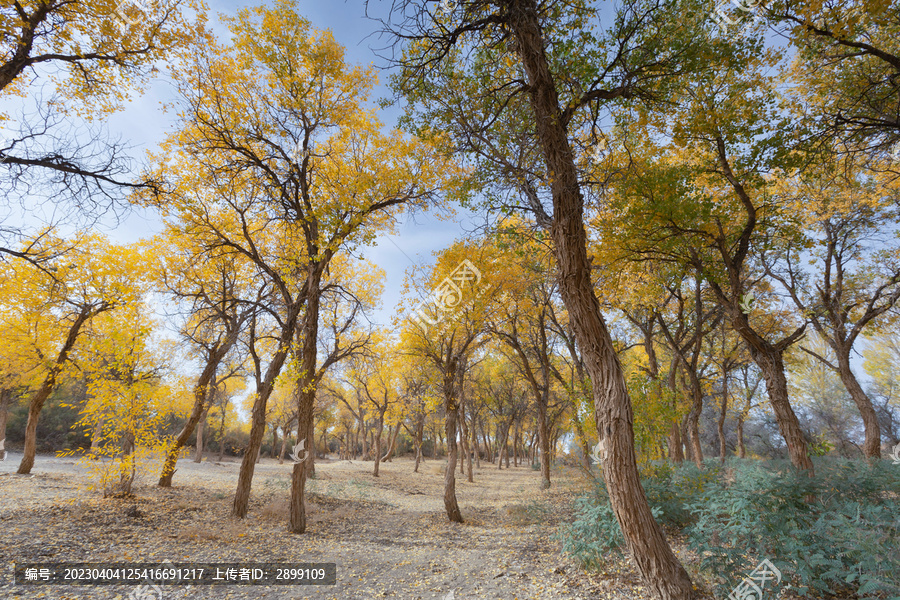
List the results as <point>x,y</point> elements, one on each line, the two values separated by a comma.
<point>872,445</point>
<point>258,419</point>
<point>656,562</point>
<point>771,363</point>
<point>42,393</point>
<point>204,391</point>
<point>392,445</point>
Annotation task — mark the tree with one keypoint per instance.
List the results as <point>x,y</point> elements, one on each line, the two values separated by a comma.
<point>450,70</point>
<point>94,278</point>
<point>847,69</point>
<point>446,329</point>
<point>219,307</point>
<point>729,141</point>
<point>123,369</point>
<point>522,324</point>
<point>857,277</point>
<point>292,173</point>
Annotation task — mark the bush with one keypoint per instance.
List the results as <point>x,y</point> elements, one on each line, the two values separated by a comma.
<point>843,543</point>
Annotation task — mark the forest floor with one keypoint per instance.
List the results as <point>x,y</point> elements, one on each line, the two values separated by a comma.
<point>389,536</point>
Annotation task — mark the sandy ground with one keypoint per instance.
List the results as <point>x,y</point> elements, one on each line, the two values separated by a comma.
<point>389,536</point>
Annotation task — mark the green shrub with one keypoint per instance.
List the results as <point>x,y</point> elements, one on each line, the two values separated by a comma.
<point>593,533</point>
<point>843,543</point>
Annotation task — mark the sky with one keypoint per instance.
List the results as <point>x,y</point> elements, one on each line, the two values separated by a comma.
<point>143,124</point>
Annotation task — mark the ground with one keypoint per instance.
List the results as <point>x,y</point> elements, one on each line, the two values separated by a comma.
<point>389,536</point>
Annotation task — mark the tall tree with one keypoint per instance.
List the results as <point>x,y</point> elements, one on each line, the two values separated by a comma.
<point>508,64</point>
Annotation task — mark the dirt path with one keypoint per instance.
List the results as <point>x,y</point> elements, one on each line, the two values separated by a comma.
<point>389,536</point>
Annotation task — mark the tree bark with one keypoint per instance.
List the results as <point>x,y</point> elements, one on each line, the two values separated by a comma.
<point>450,503</point>
<point>722,415</point>
<point>285,433</point>
<point>872,445</point>
<point>771,364</point>
<point>201,429</point>
<point>306,398</point>
<point>378,429</point>
<point>694,417</point>
<point>451,405</point>
<point>656,562</point>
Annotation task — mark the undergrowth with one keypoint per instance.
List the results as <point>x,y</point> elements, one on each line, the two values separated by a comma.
<point>841,545</point>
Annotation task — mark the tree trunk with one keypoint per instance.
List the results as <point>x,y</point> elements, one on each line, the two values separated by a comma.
<point>420,433</point>
<point>308,343</point>
<point>656,562</point>
<point>544,439</point>
<point>392,444</point>
<point>685,437</point>
<point>204,393</point>
<point>722,415</point>
<point>451,406</point>
<point>378,430</point>
<point>47,387</point>
<point>872,445</point>
<point>222,435</point>
<point>693,417</point>
<point>201,429</point>
<point>771,364</point>
<point>5,400</point>
<point>258,419</point>
<point>285,433</point>
<point>274,441</point>
<point>450,503</point>
<point>464,426</point>
<point>475,445</point>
